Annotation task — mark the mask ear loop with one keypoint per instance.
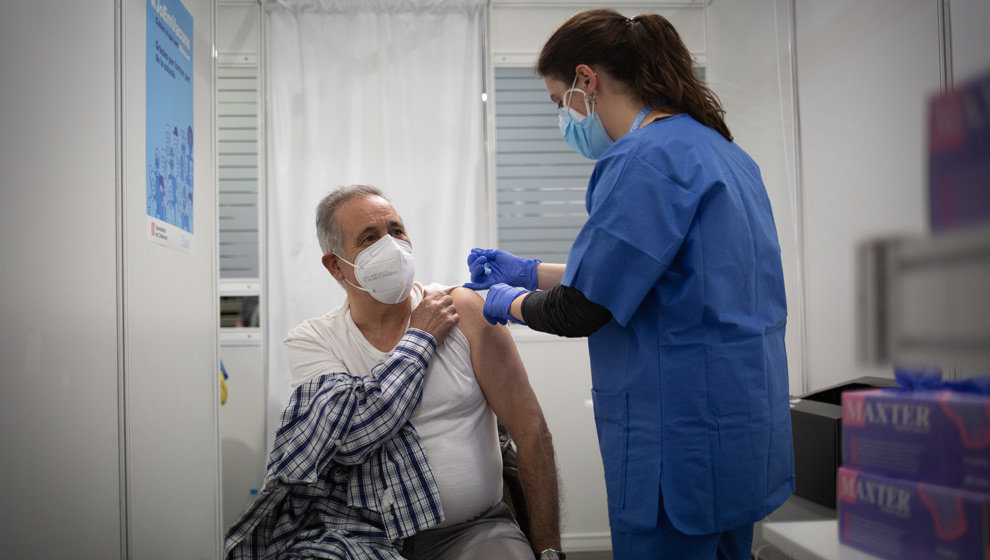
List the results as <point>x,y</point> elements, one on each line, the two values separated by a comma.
<point>567,98</point>
<point>354,266</point>
<point>345,260</point>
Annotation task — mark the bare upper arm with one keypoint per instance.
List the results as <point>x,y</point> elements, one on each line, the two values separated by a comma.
<point>497,367</point>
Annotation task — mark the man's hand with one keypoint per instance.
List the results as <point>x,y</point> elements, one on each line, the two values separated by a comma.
<point>435,314</point>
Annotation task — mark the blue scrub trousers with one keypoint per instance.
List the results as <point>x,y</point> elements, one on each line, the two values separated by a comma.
<point>667,543</point>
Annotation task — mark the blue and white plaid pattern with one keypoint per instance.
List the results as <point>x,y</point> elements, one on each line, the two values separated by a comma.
<point>348,477</point>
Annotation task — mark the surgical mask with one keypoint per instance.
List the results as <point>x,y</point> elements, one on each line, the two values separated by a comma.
<point>585,134</point>
<point>385,269</point>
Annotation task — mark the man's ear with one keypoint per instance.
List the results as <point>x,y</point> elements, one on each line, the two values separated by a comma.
<point>332,265</point>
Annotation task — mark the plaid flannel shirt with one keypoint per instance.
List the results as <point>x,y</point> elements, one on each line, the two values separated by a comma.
<point>347,477</point>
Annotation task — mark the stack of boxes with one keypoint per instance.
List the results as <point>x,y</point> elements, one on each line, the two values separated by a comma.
<point>958,162</point>
<point>915,480</point>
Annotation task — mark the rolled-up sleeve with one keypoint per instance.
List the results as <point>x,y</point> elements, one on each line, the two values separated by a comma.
<point>386,398</point>
<point>347,417</point>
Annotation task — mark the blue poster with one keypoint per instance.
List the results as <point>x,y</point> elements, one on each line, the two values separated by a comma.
<point>169,136</point>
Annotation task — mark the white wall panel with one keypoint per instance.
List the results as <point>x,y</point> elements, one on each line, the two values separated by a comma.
<point>970,20</point>
<point>59,464</point>
<point>238,29</point>
<point>865,71</point>
<point>170,327</point>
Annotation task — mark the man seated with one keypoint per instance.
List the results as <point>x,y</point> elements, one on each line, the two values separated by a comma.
<point>389,443</point>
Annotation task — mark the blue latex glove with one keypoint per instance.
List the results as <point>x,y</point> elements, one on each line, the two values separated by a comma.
<point>493,266</point>
<point>498,302</point>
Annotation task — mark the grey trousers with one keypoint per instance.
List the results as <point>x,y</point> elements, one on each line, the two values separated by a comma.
<point>493,535</point>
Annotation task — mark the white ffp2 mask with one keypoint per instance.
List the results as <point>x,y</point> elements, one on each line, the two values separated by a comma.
<point>385,269</point>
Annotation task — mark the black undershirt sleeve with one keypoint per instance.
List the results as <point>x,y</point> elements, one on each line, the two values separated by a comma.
<point>563,311</point>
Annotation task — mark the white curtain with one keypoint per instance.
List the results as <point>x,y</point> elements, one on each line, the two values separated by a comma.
<point>379,92</point>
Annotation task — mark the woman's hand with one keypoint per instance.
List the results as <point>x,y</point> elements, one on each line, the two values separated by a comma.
<point>498,303</point>
<point>493,266</point>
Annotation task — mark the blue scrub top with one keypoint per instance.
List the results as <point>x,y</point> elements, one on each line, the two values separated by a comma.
<point>689,378</point>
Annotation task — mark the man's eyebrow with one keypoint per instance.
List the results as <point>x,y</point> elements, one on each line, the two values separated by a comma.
<point>372,229</point>
<point>364,232</point>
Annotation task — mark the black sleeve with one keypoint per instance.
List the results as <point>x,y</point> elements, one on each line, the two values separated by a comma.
<point>563,311</point>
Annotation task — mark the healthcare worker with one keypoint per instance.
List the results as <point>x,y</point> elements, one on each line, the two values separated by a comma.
<point>676,279</point>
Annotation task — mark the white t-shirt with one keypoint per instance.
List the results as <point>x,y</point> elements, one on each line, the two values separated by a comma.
<point>455,423</point>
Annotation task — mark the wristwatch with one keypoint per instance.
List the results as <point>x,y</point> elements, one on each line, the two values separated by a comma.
<point>552,554</point>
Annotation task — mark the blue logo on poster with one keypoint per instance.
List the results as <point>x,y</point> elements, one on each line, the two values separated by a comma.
<point>169,140</point>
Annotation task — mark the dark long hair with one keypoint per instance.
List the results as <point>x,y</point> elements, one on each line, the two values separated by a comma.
<point>645,53</point>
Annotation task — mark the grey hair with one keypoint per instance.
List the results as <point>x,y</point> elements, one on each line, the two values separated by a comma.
<point>327,229</point>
